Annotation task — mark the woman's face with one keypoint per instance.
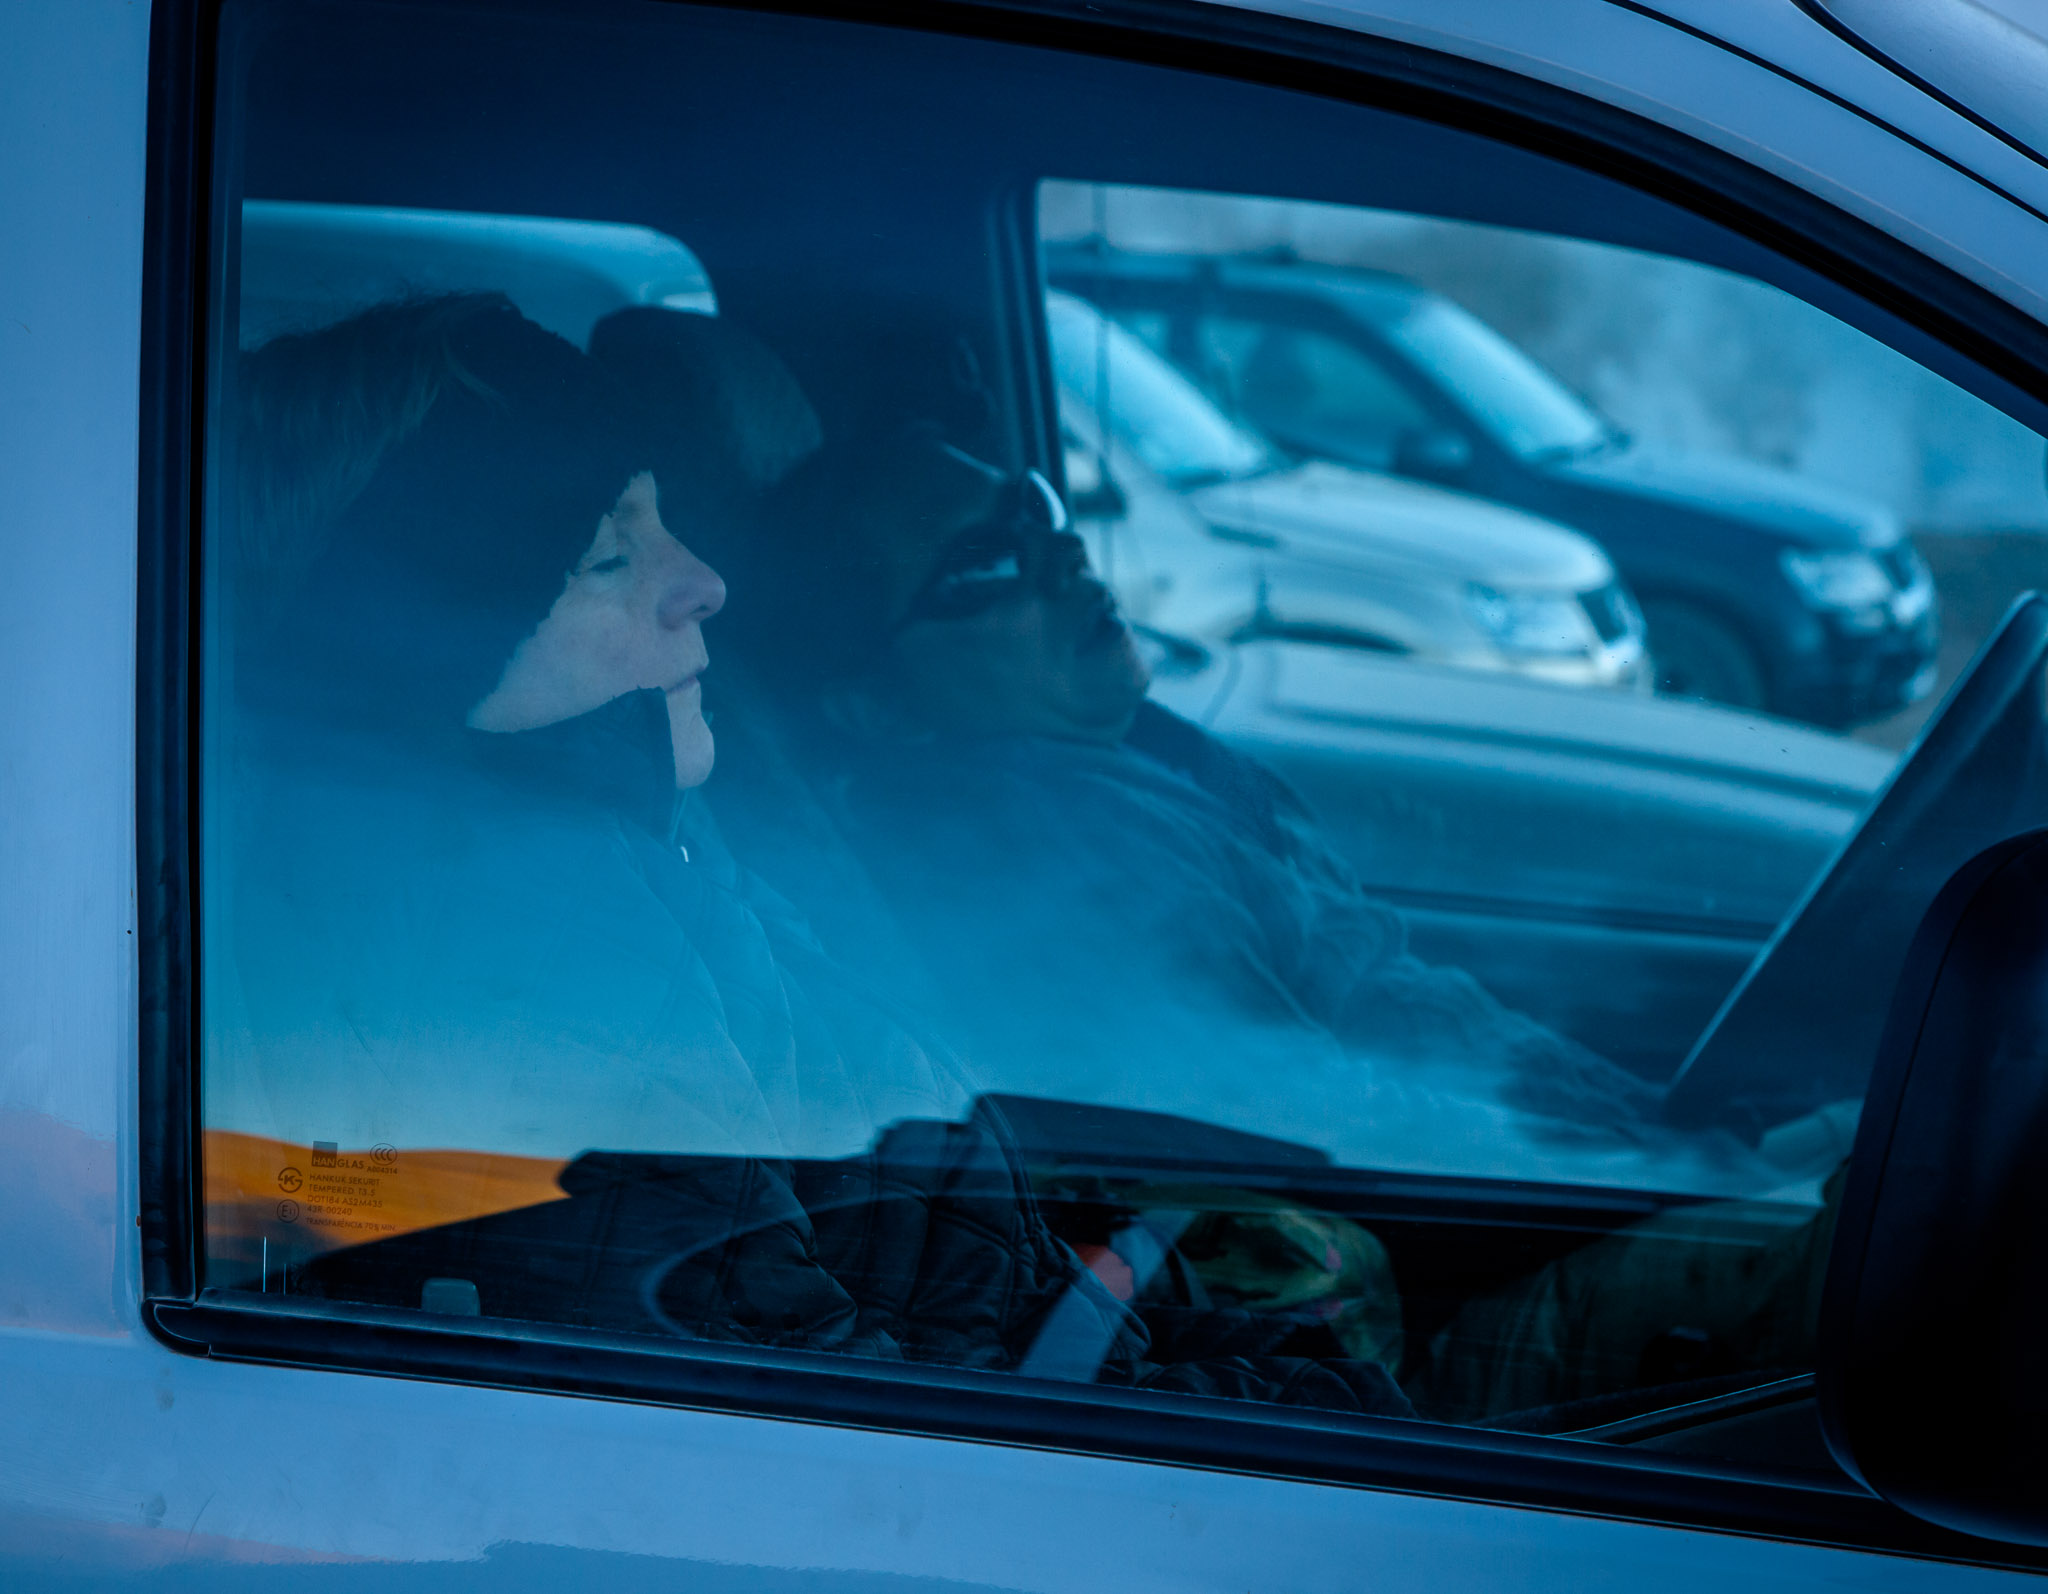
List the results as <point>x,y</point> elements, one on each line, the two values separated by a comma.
<point>630,618</point>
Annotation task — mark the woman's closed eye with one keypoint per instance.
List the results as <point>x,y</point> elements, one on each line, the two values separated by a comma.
<point>605,567</point>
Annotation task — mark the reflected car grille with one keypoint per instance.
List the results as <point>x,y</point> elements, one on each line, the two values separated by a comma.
<point>1611,610</point>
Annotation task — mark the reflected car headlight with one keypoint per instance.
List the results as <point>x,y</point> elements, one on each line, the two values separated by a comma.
<point>1842,580</point>
<point>1550,624</point>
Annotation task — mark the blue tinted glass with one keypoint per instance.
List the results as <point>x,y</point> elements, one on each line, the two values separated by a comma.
<point>697,849</point>
<point>1161,415</point>
<point>1508,393</point>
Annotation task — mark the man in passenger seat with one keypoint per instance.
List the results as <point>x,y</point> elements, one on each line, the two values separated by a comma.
<point>1115,905</point>
<point>712,384</point>
<point>1108,905</point>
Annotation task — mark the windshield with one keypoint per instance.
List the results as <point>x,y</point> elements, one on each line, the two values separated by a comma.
<point>1524,407</point>
<point>1146,404</point>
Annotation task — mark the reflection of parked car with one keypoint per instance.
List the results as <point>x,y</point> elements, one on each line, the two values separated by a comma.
<point>1203,524</point>
<point>1761,589</point>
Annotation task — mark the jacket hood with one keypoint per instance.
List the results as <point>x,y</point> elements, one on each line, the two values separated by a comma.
<point>1729,488</point>
<point>1353,517</point>
<point>463,536</point>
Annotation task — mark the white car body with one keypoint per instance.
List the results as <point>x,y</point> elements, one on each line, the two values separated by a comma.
<point>128,1463</point>
<point>1319,551</point>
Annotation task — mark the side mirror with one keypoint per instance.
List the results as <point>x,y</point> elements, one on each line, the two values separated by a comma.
<point>1092,493</point>
<point>1933,1360</point>
<point>1436,453</point>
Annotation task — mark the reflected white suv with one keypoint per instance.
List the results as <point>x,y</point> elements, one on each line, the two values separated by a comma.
<point>1205,529</point>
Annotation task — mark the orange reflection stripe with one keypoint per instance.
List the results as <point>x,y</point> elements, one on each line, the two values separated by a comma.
<point>309,1199</point>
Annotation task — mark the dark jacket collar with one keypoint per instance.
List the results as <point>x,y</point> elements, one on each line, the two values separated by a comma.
<point>618,757</point>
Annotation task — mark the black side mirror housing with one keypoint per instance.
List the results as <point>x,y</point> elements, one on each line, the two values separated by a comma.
<point>1933,1360</point>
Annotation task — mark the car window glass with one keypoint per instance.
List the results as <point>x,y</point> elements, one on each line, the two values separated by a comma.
<point>1151,406</point>
<point>773,777</point>
<point>1153,328</point>
<point>1512,397</point>
<point>1297,383</point>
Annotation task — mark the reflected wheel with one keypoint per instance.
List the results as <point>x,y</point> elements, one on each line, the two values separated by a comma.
<point>1698,654</point>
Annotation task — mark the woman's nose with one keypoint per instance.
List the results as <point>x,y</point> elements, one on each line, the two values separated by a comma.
<point>693,594</point>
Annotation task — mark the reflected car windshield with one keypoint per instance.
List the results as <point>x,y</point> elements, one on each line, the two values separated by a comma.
<point>1146,404</point>
<point>1521,405</point>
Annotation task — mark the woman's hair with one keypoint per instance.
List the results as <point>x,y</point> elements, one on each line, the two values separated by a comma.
<point>415,485</point>
<point>319,411</point>
<point>725,412</point>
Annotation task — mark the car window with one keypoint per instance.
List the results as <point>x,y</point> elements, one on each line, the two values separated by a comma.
<point>1153,328</point>
<point>1307,387</point>
<point>782,789</point>
<point>1151,407</point>
<point>1513,397</point>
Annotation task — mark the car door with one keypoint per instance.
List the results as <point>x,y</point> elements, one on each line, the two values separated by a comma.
<point>478,1176</point>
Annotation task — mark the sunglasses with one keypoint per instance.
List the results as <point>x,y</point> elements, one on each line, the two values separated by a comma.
<point>1007,553</point>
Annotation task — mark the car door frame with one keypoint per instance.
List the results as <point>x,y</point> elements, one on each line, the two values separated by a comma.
<point>1409,1458</point>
